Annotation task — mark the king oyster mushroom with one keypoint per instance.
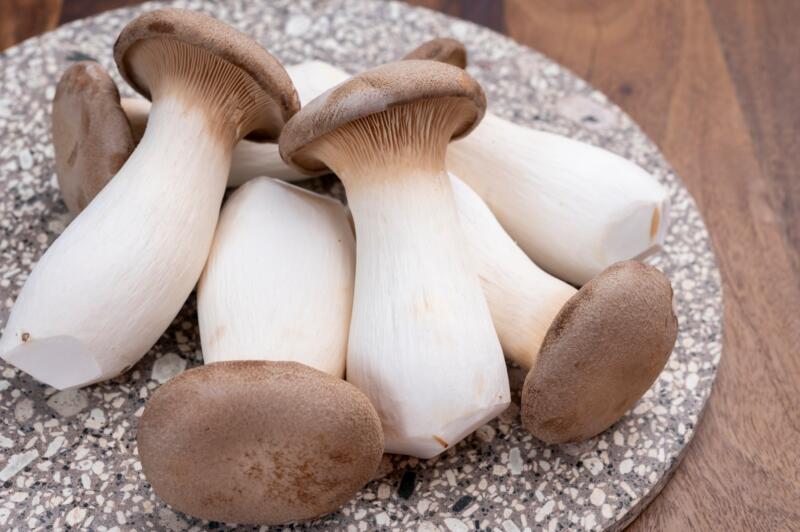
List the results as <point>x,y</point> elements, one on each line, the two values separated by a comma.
<point>422,346</point>
<point>592,353</point>
<point>267,432</point>
<point>109,286</point>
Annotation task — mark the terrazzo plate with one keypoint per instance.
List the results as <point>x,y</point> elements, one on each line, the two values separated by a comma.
<point>68,459</point>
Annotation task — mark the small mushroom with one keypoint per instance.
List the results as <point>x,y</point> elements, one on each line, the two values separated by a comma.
<point>442,49</point>
<point>267,432</point>
<point>109,286</point>
<point>422,346</point>
<point>592,353</point>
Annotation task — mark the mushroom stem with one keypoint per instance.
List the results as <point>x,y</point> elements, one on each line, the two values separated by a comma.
<point>572,207</point>
<point>110,285</point>
<point>278,284</point>
<point>522,298</point>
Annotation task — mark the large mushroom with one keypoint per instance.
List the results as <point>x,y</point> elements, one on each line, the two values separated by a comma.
<point>591,353</point>
<point>267,432</point>
<point>422,345</point>
<point>109,286</point>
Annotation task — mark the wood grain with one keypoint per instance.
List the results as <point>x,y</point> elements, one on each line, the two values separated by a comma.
<point>715,84</point>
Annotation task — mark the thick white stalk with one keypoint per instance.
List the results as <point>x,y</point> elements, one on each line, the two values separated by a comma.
<point>278,284</point>
<point>523,299</point>
<point>572,207</point>
<point>110,285</point>
<point>422,346</point>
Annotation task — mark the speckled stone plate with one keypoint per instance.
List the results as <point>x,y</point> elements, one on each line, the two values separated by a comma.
<point>69,458</point>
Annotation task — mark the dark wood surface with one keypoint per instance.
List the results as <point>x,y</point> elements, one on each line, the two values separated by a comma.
<point>716,84</point>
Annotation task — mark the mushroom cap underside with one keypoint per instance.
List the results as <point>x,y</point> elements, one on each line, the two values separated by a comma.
<point>380,89</point>
<point>221,41</point>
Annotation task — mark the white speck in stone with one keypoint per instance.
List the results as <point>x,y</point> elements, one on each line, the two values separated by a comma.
<point>8,443</point>
<point>510,526</point>
<point>607,512</point>
<point>515,461</point>
<point>297,25</point>
<point>423,505</point>
<point>471,510</point>
<point>486,433</point>
<point>619,440</point>
<point>544,511</point>
<point>23,410</point>
<point>641,408</point>
<point>68,403</point>
<point>384,490</point>
<point>691,381</point>
<point>86,482</point>
<point>4,384</point>
<point>18,496</point>
<point>544,465</point>
<point>552,525</point>
<point>171,521</point>
<point>594,465</point>
<point>455,525</point>
<point>54,446</point>
<point>360,514</point>
<point>382,519</point>
<point>17,463</point>
<point>632,439</point>
<point>459,29</point>
<point>590,521</point>
<point>499,470</point>
<point>96,419</point>
<point>451,477</point>
<point>626,466</point>
<point>167,367</point>
<point>427,526</point>
<point>25,159</point>
<point>76,516</point>
<point>598,497</point>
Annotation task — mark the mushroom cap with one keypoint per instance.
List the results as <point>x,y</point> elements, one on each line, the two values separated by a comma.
<point>376,90</point>
<point>224,42</point>
<point>604,349</point>
<point>92,138</point>
<point>442,49</point>
<point>258,442</point>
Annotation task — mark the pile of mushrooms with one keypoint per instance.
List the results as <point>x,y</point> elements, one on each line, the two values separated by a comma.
<point>322,351</point>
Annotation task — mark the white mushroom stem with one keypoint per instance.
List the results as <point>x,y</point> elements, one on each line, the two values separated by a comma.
<point>252,159</point>
<point>523,299</point>
<point>109,286</point>
<point>572,207</point>
<point>276,246</point>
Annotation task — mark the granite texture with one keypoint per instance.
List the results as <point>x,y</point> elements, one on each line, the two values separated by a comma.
<point>68,459</point>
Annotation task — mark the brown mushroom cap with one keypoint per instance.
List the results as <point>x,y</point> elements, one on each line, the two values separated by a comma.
<point>602,352</point>
<point>258,442</point>
<point>221,41</point>
<point>92,138</point>
<point>442,49</point>
<point>386,87</point>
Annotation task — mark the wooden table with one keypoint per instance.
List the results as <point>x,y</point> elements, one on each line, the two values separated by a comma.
<point>716,84</point>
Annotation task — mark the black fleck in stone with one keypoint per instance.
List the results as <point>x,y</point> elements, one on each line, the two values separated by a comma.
<point>462,503</point>
<point>79,56</point>
<point>407,484</point>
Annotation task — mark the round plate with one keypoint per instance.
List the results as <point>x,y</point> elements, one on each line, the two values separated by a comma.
<point>69,458</point>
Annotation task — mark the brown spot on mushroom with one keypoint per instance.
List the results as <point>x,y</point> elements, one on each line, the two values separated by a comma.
<point>25,337</point>
<point>441,441</point>
<point>603,351</point>
<point>161,27</point>
<point>654,223</point>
